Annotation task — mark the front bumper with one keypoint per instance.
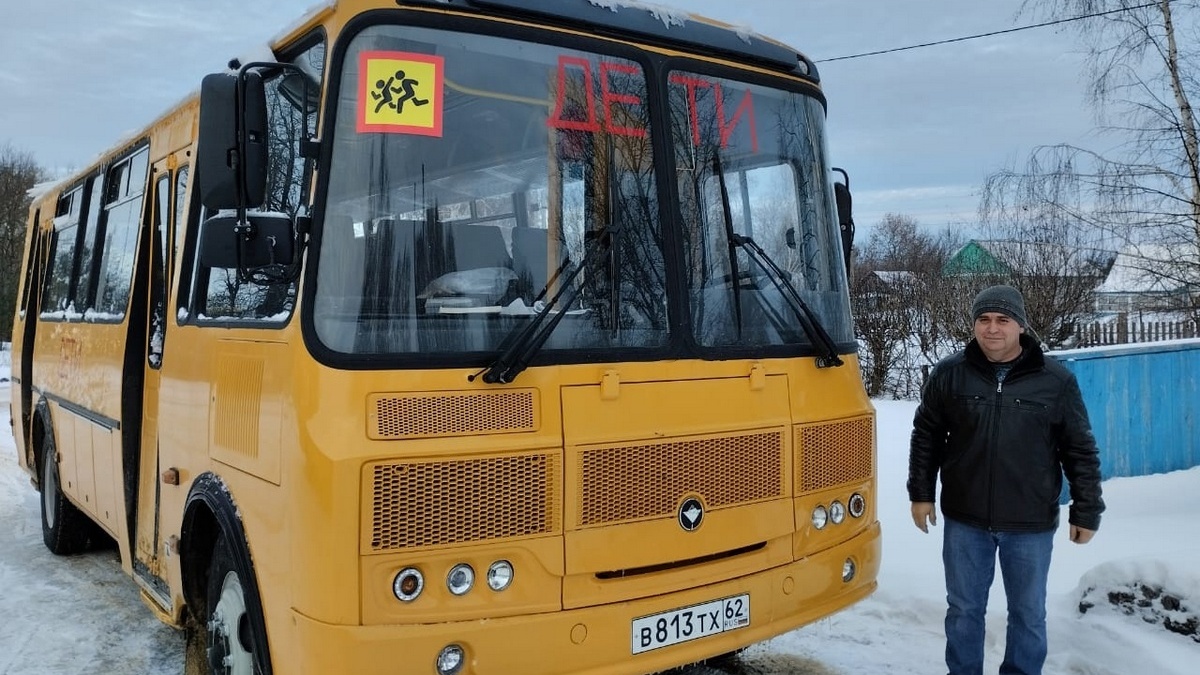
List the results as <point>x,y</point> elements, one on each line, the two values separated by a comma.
<point>592,640</point>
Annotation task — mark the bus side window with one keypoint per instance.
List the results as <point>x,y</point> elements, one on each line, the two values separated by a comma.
<point>30,256</point>
<point>219,294</point>
<point>158,273</point>
<point>56,296</point>
<point>123,192</point>
<point>229,298</point>
<point>87,242</point>
<point>177,219</point>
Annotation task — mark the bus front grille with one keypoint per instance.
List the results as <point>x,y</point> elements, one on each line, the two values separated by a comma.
<point>449,413</point>
<point>648,480</point>
<point>436,503</point>
<point>834,453</point>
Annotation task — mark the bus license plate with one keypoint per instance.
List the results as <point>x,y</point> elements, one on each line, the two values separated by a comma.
<point>690,623</point>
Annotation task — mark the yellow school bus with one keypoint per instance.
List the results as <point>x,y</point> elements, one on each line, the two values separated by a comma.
<point>461,336</point>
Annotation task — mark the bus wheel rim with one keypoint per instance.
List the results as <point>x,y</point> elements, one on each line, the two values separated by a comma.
<point>226,653</point>
<point>50,492</point>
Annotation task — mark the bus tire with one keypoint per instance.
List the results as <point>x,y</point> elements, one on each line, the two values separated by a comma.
<point>229,648</point>
<point>65,529</point>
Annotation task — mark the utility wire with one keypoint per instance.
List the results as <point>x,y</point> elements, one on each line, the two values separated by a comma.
<point>983,35</point>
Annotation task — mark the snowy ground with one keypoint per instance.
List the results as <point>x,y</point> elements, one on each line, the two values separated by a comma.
<point>82,615</point>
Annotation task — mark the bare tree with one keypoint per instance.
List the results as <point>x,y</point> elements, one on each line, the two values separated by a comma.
<point>1142,60</point>
<point>18,173</point>
<point>1052,249</point>
<point>945,302</point>
<point>897,287</point>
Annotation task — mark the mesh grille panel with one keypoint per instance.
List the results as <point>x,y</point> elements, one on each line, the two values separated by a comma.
<point>418,504</point>
<point>835,453</point>
<point>451,414</point>
<point>238,403</point>
<point>641,481</point>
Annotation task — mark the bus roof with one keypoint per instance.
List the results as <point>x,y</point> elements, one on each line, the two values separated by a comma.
<point>656,24</point>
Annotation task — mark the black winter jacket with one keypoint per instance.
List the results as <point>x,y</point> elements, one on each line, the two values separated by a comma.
<point>1002,448</point>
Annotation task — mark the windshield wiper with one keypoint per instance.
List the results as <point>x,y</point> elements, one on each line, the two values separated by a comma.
<point>519,347</point>
<point>780,278</point>
<point>808,320</point>
<point>731,238</point>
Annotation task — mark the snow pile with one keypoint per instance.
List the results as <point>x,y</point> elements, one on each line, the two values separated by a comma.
<point>1121,587</point>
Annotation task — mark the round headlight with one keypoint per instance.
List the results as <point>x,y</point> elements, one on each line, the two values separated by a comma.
<point>820,517</point>
<point>499,575</point>
<point>858,505</point>
<point>460,579</point>
<point>837,512</point>
<point>408,584</point>
<point>450,660</point>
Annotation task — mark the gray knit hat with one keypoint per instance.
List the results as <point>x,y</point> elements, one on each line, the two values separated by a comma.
<point>1003,299</point>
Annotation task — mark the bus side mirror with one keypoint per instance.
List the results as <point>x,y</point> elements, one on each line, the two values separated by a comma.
<point>844,201</point>
<point>265,239</point>
<point>231,155</point>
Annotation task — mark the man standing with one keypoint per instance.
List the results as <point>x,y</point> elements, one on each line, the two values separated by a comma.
<point>1001,424</point>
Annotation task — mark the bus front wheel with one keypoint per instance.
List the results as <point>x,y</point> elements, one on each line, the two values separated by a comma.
<point>230,645</point>
<point>65,529</point>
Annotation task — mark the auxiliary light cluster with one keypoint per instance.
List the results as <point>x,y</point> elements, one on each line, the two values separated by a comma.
<point>836,511</point>
<point>409,583</point>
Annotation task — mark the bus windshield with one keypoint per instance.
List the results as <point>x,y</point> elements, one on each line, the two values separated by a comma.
<point>475,178</point>
<point>750,162</point>
<point>470,177</point>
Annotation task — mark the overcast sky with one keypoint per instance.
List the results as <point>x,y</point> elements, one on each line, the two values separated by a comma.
<point>918,130</point>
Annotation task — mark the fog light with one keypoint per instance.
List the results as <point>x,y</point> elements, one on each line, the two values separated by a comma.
<point>461,579</point>
<point>837,512</point>
<point>408,584</point>
<point>858,505</point>
<point>848,570</point>
<point>499,575</point>
<point>450,660</point>
<point>820,517</point>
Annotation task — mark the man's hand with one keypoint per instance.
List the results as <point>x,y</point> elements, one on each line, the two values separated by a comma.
<point>1078,534</point>
<point>924,515</point>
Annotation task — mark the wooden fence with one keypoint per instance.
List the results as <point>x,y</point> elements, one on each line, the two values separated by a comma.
<point>1130,332</point>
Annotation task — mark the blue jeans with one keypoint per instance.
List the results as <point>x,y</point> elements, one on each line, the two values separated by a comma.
<point>969,555</point>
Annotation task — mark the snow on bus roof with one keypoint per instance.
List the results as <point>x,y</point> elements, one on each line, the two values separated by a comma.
<point>669,16</point>
<point>312,12</point>
<point>673,16</point>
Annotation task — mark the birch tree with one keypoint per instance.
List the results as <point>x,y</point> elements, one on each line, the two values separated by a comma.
<point>1144,186</point>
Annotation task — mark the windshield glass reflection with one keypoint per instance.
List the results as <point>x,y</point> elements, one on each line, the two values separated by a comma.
<point>774,187</point>
<point>468,172</point>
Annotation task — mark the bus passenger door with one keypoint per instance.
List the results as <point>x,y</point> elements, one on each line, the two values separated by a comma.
<point>148,566</point>
<point>23,337</point>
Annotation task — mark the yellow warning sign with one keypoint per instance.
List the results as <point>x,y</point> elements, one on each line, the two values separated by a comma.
<point>400,93</point>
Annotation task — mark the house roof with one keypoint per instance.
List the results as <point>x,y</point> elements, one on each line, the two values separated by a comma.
<point>993,256</point>
<point>892,278</point>
<point>1151,268</point>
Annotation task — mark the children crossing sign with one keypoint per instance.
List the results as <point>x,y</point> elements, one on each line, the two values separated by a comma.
<point>400,93</point>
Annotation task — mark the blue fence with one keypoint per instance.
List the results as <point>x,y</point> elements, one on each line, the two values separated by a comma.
<point>1144,404</point>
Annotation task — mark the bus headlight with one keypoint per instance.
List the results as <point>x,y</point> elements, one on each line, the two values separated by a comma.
<point>837,512</point>
<point>408,584</point>
<point>460,579</point>
<point>820,517</point>
<point>858,505</point>
<point>450,660</point>
<point>499,575</point>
